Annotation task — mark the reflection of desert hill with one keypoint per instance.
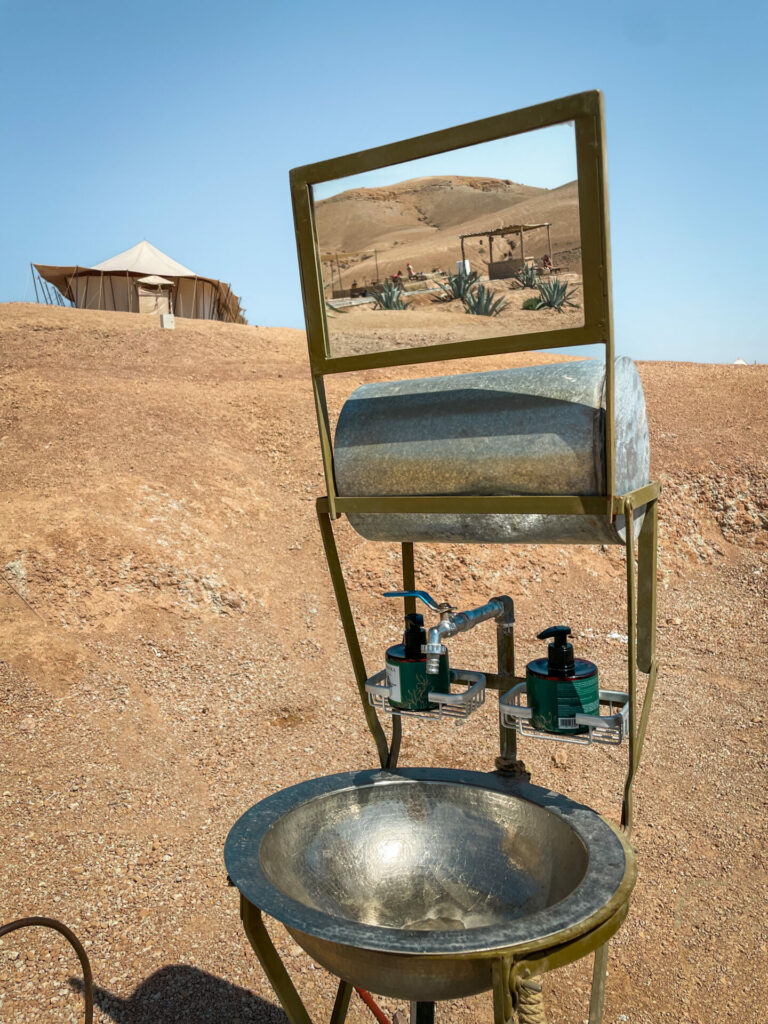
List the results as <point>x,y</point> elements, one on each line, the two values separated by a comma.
<point>419,221</point>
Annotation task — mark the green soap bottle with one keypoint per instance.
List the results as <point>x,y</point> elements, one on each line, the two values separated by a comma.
<point>407,670</point>
<point>561,686</point>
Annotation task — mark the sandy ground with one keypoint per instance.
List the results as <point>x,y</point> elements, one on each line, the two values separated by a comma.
<point>171,654</point>
<point>431,320</point>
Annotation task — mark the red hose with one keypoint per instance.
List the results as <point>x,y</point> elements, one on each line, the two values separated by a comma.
<point>376,1010</point>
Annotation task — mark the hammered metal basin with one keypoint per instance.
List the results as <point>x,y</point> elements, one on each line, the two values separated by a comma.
<point>407,882</point>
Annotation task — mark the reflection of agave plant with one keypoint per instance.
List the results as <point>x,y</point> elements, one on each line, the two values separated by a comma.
<point>458,285</point>
<point>481,302</point>
<point>554,294</point>
<point>528,276</point>
<point>388,296</point>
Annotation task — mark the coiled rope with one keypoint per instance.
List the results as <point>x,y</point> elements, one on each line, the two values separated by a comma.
<point>530,1001</point>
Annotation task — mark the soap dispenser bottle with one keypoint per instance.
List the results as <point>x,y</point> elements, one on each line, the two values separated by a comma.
<point>407,670</point>
<point>561,686</point>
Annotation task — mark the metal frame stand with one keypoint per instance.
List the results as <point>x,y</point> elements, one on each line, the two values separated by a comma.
<point>641,642</point>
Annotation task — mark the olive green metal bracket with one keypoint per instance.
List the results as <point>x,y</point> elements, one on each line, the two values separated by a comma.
<point>272,965</point>
<point>388,752</point>
<point>641,635</point>
<point>278,976</point>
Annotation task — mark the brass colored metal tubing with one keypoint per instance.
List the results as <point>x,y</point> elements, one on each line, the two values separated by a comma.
<point>409,604</point>
<point>644,715</point>
<point>502,992</point>
<point>568,337</point>
<point>597,995</point>
<point>627,810</point>
<point>503,682</point>
<point>341,1005</point>
<point>350,631</point>
<point>326,445</point>
<point>505,664</point>
<point>647,561</point>
<point>641,496</point>
<point>569,952</point>
<point>409,577</point>
<point>269,958</point>
<point>482,504</point>
<point>309,271</point>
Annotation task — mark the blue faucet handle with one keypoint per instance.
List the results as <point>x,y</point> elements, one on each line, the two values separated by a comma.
<point>422,595</point>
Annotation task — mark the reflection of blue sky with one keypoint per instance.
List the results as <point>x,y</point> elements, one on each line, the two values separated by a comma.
<point>545,158</point>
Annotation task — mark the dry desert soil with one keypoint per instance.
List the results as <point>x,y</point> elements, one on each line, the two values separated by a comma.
<point>170,653</point>
<point>364,230</point>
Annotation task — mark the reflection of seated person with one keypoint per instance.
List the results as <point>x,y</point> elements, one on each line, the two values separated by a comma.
<point>398,277</point>
<point>411,273</point>
<point>546,262</point>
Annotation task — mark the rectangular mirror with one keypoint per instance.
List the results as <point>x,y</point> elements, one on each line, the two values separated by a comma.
<point>481,241</point>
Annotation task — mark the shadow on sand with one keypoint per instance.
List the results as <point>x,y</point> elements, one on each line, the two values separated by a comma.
<point>178,993</point>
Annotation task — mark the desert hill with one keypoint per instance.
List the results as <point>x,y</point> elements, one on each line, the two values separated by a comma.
<point>171,654</point>
<point>419,221</point>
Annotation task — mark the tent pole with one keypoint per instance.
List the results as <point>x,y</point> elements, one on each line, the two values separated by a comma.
<point>77,288</point>
<point>112,289</point>
<point>85,297</point>
<point>549,244</point>
<point>194,300</point>
<point>34,282</point>
<point>128,290</point>
<point>229,296</point>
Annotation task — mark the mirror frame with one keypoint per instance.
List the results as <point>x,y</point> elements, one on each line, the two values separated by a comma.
<point>586,112</point>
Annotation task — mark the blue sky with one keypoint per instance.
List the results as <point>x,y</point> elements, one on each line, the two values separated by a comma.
<point>545,158</point>
<point>178,122</point>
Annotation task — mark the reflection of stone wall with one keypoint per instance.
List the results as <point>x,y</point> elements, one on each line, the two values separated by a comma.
<point>569,259</point>
<point>500,269</point>
<point>348,293</point>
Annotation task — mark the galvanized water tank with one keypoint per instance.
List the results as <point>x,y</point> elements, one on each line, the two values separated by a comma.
<point>530,430</point>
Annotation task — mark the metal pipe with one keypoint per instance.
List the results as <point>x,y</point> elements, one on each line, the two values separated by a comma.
<point>452,624</point>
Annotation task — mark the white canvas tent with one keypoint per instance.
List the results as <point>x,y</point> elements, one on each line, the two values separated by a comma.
<point>144,280</point>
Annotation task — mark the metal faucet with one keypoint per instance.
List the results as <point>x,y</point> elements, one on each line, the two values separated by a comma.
<point>453,622</point>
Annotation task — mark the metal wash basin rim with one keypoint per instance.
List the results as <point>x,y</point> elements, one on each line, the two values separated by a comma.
<point>604,888</point>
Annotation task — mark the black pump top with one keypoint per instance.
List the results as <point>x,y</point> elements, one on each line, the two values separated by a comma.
<point>560,661</point>
<point>414,636</point>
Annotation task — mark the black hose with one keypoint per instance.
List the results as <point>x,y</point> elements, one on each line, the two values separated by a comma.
<point>50,922</point>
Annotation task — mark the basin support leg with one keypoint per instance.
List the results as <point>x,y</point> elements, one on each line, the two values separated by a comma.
<point>422,1013</point>
<point>597,997</point>
<point>340,1007</point>
<point>269,958</point>
<point>503,1006</point>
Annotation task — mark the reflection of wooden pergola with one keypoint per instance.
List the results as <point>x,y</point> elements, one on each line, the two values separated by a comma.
<point>512,229</point>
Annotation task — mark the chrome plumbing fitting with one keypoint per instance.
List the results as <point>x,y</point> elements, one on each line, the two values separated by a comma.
<point>452,622</point>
